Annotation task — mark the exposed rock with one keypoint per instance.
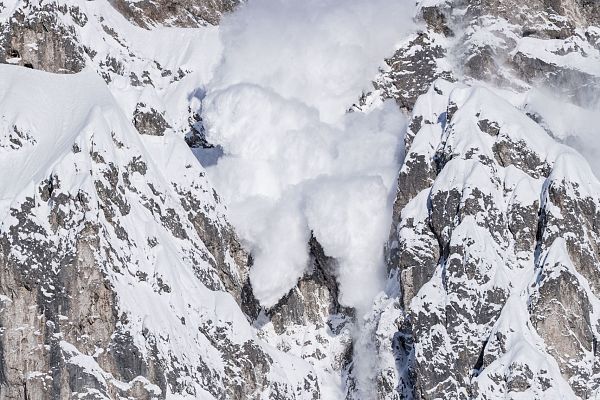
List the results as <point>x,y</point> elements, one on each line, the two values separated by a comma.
<point>183,13</point>
<point>465,230</point>
<point>148,121</point>
<point>120,276</point>
<point>37,38</point>
<point>93,305</point>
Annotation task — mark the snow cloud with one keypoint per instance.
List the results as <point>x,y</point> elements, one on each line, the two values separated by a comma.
<point>573,125</point>
<point>295,161</point>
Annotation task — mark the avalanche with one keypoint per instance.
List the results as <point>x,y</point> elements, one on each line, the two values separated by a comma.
<point>295,162</point>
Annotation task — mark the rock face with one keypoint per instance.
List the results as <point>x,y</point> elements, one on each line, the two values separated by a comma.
<point>505,43</point>
<point>120,276</point>
<point>95,305</point>
<point>148,121</point>
<point>493,245</point>
<point>182,13</point>
<point>37,38</point>
<point>486,252</point>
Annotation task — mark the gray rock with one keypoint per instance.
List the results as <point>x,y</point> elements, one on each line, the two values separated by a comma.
<point>182,13</point>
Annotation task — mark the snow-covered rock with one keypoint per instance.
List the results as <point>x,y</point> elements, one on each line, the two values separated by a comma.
<point>122,277</point>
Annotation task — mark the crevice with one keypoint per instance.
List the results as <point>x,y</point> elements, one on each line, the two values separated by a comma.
<point>479,364</point>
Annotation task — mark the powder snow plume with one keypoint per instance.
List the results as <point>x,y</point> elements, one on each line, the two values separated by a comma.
<point>295,161</point>
<point>573,124</point>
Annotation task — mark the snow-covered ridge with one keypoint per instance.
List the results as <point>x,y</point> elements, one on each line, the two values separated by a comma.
<point>486,210</point>
<point>121,276</point>
<point>93,206</point>
<point>163,68</point>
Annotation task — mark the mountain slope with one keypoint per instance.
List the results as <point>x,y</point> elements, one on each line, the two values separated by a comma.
<point>489,252</point>
<point>494,244</point>
<point>122,277</point>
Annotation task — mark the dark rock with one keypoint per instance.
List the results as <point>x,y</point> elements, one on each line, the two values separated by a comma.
<point>148,121</point>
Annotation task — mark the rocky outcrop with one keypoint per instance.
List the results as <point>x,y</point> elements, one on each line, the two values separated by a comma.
<point>483,265</point>
<point>120,275</point>
<point>37,38</point>
<point>149,121</point>
<point>493,248</point>
<point>310,324</point>
<point>509,44</point>
<point>120,279</point>
<point>417,63</point>
<point>182,13</point>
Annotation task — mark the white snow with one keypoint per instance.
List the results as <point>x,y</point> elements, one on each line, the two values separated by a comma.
<point>295,162</point>
<point>76,103</point>
<point>574,125</point>
<point>56,113</point>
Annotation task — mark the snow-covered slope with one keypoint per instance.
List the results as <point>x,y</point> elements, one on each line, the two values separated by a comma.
<point>494,241</point>
<point>122,277</point>
<point>121,271</point>
<point>494,253</point>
